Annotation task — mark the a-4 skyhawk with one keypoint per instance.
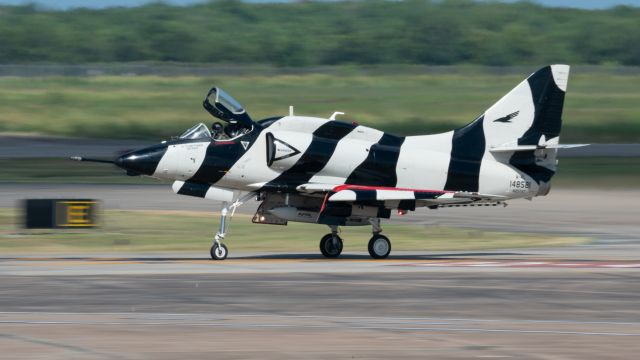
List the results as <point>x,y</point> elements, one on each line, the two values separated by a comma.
<point>324,171</point>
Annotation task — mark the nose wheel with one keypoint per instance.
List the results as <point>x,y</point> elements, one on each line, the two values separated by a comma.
<point>219,252</point>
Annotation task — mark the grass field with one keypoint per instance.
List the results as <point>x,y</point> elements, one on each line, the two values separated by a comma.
<point>163,231</point>
<point>601,106</point>
<point>572,172</point>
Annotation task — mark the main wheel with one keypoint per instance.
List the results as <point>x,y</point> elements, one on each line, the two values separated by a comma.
<point>219,252</point>
<point>331,246</point>
<point>379,246</point>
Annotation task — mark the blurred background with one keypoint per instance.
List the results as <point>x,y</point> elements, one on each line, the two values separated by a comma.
<point>552,278</point>
<point>102,77</point>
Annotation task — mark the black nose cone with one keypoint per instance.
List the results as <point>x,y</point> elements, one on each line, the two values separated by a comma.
<point>143,161</point>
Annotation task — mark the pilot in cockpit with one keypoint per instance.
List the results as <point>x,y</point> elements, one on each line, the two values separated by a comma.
<point>222,106</point>
<point>232,129</point>
<point>216,130</point>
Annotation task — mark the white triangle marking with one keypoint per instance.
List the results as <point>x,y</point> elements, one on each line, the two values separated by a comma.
<point>245,144</point>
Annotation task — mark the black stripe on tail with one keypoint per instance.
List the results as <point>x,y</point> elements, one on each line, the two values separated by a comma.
<point>548,100</point>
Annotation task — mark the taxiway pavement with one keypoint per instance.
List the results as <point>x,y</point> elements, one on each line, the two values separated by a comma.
<point>579,302</point>
<point>453,307</point>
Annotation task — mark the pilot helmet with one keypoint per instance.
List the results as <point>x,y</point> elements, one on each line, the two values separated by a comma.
<point>216,127</point>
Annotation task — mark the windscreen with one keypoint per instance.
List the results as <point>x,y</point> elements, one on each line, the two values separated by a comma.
<point>199,131</point>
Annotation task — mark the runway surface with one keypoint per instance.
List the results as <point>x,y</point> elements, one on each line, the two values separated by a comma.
<point>580,302</point>
<point>307,307</point>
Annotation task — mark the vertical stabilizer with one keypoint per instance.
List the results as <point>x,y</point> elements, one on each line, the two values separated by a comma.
<point>529,115</point>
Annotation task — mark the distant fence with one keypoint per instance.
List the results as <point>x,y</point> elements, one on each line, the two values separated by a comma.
<point>182,69</point>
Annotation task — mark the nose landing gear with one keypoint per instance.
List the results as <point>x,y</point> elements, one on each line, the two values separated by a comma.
<point>219,251</point>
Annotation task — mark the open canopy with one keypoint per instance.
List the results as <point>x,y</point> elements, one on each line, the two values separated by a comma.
<point>222,106</point>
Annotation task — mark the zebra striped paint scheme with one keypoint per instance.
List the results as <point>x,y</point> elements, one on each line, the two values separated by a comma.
<point>330,153</point>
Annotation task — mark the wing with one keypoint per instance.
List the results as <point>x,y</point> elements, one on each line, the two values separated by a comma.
<point>399,198</point>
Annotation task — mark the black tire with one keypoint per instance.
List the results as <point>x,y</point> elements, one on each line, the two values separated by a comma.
<point>219,253</point>
<point>327,247</point>
<point>379,246</point>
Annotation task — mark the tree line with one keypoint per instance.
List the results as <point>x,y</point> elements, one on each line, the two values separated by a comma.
<point>310,33</point>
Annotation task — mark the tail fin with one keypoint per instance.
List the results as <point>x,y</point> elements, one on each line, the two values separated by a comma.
<point>521,129</point>
<point>531,110</point>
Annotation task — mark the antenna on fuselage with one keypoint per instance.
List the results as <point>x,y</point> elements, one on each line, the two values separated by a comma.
<point>290,110</point>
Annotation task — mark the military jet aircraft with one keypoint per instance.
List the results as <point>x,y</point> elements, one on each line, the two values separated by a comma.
<point>323,171</point>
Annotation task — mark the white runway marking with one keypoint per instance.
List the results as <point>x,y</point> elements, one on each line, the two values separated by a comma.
<point>524,264</point>
<point>518,326</point>
<point>210,316</point>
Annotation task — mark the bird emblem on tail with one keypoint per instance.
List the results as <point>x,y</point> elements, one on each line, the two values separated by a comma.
<point>507,119</point>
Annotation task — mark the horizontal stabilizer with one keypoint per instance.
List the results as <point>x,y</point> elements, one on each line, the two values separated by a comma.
<point>543,144</point>
<point>534,147</point>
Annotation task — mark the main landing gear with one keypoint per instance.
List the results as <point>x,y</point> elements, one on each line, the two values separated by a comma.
<point>379,245</point>
<point>219,251</point>
<point>331,244</point>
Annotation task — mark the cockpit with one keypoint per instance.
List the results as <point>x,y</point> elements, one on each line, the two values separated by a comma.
<point>224,107</point>
<point>201,131</point>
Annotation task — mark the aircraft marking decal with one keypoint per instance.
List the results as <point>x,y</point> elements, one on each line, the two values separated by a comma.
<point>507,119</point>
<point>323,144</point>
<point>290,150</point>
<point>219,159</point>
<point>251,166</point>
<point>548,99</point>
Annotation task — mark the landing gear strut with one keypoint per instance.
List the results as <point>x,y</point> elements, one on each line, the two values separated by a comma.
<point>379,245</point>
<point>219,250</point>
<point>331,244</point>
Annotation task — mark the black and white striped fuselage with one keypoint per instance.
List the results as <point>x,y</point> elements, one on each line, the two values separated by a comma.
<point>316,150</point>
<point>309,169</point>
<point>507,152</point>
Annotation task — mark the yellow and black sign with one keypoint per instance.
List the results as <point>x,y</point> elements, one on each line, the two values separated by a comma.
<point>61,213</point>
<point>75,213</point>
